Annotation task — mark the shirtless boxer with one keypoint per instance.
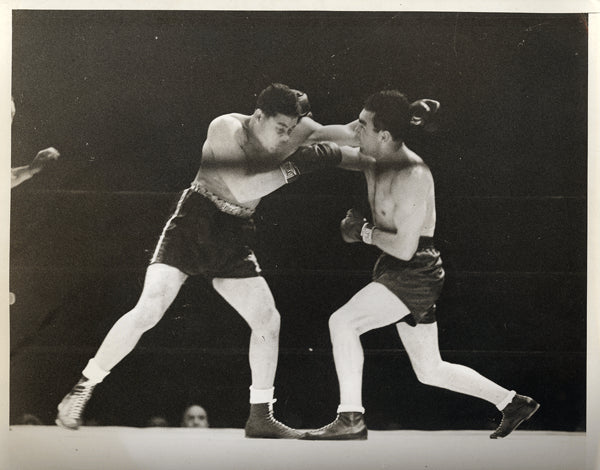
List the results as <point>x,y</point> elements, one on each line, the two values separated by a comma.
<point>243,159</point>
<point>407,278</point>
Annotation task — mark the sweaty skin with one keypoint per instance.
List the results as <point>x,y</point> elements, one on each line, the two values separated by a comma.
<point>400,190</point>
<point>241,169</point>
<point>402,199</point>
<point>241,160</point>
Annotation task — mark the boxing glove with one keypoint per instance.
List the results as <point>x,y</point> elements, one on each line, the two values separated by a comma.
<point>311,158</point>
<point>304,103</point>
<point>43,157</point>
<point>355,228</point>
<point>422,110</point>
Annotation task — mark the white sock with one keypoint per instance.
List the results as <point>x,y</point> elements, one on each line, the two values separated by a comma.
<point>350,408</point>
<point>506,400</point>
<point>261,395</point>
<point>94,373</point>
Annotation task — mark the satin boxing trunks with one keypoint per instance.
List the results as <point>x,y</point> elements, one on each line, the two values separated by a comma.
<point>208,236</point>
<point>417,283</point>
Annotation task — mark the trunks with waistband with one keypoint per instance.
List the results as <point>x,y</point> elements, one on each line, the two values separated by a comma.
<point>223,205</point>
<point>208,236</point>
<point>417,282</point>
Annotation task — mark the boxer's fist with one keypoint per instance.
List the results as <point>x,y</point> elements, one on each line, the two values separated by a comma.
<point>304,103</point>
<point>422,110</point>
<point>310,158</point>
<point>351,226</point>
<point>43,157</point>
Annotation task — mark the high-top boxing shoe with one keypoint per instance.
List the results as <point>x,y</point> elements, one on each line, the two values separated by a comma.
<point>72,405</point>
<point>348,425</point>
<point>262,424</point>
<point>521,408</point>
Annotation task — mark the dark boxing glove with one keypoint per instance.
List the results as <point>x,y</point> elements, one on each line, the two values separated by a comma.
<point>311,158</point>
<point>422,110</point>
<point>44,157</point>
<point>355,228</point>
<point>303,103</point>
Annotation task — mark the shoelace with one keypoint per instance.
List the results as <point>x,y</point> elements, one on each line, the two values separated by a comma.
<point>499,428</point>
<point>81,395</point>
<point>516,409</point>
<point>279,424</point>
<point>330,425</point>
<point>272,419</point>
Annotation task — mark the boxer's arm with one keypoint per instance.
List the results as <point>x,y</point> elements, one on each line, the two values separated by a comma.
<point>21,174</point>
<point>309,158</point>
<point>250,187</point>
<point>353,159</point>
<point>309,132</point>
<point>409,192</point>
<point>223,150</point>
<point>341,134</point>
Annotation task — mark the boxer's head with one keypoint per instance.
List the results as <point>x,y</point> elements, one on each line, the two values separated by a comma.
<point>389,115</point>
<point>390,111</point>
<point>277,113</point>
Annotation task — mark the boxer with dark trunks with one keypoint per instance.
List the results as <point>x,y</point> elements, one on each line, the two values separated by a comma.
<point>244,158</point>
<point>407,279</point>
<point>417,282</point>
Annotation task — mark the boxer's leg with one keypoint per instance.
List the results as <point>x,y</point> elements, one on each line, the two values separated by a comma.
<point>421,344</point>
<point>252,299</point>
<point>161,285</point>
<point>372,307</point>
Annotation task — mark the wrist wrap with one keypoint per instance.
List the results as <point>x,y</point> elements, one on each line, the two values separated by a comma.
<point>366,233</point>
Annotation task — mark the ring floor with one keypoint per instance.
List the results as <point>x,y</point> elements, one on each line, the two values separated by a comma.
<point>124,448</point>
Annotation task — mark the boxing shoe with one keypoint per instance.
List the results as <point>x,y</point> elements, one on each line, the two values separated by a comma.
<point>348,425</point>
<point>72,405</point>
<point>521,408</point>
<point>262,424</point>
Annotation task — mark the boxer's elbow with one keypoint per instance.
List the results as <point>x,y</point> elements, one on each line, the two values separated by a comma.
<point>404,248</point>
<point>404,254</point>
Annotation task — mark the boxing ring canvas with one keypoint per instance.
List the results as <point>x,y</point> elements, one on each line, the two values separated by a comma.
<point>153,448</point>
<point>126,96</point>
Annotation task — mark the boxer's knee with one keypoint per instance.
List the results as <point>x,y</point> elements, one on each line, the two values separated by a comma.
<point>148,312</point>
<point>266,320</point>
<point>342,321</point>
<point>429,372</point>
<point>145,317</point>
<point>161,286</point>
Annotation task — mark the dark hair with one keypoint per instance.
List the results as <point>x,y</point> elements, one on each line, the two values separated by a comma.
<point>278,98</point>
<point>392,112</point>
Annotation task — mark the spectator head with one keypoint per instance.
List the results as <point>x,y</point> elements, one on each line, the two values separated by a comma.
<point>194,416</point>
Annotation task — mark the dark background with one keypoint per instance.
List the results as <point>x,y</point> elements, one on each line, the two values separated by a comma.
<point>127,97</point>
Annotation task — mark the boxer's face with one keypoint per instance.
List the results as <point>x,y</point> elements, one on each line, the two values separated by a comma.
<point>274,131</point>
<point>368,137</point>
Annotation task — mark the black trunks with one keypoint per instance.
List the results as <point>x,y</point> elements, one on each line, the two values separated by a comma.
<point>209,237</point>
<point>417,283</point>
